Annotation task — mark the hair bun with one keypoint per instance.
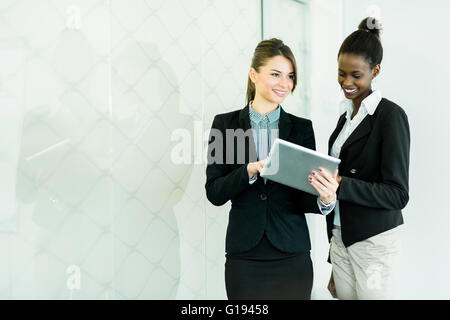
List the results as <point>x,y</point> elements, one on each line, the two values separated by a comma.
<point>372,25</point>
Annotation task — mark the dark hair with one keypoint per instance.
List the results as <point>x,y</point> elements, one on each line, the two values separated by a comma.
<point>365,42</point>
<point>265,50</point>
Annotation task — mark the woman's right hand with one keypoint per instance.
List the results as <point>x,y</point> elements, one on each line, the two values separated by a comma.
<point>255,167</point>
<point>331,286</point>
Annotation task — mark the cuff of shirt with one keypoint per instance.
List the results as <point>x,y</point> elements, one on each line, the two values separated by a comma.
<point>252,179</point>
<point>325,209</point>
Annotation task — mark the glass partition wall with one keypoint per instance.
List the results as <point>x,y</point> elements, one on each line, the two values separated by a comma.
<point>105,111</point>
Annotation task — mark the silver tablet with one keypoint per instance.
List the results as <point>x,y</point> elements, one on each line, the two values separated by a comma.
<point>291,164</point>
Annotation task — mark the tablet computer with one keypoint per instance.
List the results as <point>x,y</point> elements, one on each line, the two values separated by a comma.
<point>291,164</point>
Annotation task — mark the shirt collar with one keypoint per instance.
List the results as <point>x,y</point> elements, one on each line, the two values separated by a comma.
<point>256,117</point>
<point>370,104</point>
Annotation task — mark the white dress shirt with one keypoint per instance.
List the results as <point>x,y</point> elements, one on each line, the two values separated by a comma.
<point>368,107</point>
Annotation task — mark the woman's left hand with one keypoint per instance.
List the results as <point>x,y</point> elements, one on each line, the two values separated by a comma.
<point>325,184</point>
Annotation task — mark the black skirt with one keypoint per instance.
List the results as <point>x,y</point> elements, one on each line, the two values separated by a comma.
<point>266,273</point>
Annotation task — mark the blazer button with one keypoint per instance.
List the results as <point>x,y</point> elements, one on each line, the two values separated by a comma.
<point>353,171</point>
<point>263,197</point>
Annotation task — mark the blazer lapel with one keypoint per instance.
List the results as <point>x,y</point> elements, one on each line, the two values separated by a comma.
<point>362,130</point>
<point>284,125</point>
<point>250,147</point>
<point>244,118</point>
<point>336,132</point>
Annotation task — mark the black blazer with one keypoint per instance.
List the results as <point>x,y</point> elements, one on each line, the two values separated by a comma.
<point>275,209</point>
<point>374,168</point>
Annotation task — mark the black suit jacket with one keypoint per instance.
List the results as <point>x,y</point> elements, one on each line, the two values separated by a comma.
<point>374,168</point>
<point>256,208</point>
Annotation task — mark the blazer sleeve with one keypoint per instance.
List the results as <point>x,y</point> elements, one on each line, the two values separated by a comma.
<point>223,184</point>
<point>392,192</point>
<point>307,203</point>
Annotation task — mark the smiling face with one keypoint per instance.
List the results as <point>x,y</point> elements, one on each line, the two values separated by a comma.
<point>274,81</point>
<point>355,76</point>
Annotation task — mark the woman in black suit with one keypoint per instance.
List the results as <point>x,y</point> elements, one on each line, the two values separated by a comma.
<point>267,241</point>
<point>372,139</point>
